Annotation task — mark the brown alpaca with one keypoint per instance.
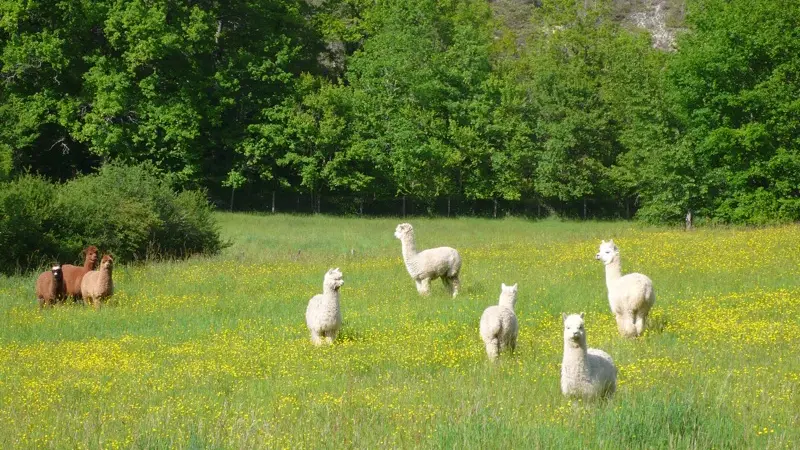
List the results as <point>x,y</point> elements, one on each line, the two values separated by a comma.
<point>74,274</point>
<point>97,285</point>
<point>50,286</point>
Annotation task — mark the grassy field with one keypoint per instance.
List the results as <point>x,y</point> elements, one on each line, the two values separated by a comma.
<point>214,353</point>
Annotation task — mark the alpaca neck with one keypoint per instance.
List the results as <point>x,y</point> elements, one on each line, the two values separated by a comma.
<point>574,362</point>
<point>88,264</point>
<point>104,278</point>
<point>507,301</point>
<point>613,271</point>
<point>409,252</point>
<point>330,294</point>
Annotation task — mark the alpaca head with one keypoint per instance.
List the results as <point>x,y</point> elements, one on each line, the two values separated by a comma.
<point>403,230</point>
<point>608,252</point>
<point>508,294</point>
<point>574,333</point>
<point>91,255</point>
<point>333,279</point>
<point>58,275</point>
<point>107,262</point>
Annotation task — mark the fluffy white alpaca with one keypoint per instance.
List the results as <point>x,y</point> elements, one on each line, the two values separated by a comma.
<point>323,316</point>
<point>630,296</point>
<point>430,264</point>
<point>499,327</point>
<point>586,373</point>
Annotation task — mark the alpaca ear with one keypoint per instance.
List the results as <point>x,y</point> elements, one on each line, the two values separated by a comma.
<point>581,315</point>
<point>563,317</point>
<point>515,286</point>
<point>503,286</point>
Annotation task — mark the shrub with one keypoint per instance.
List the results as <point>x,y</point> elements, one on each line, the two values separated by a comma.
<point>28,223</point>
<point>129,211</point>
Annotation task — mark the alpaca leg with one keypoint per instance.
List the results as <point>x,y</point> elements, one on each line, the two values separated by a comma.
<point>316,339</point>
<point>424,286</point>
<point>330,336</point>
<point>629,321</point>
<point>41,302</point>
<point>620,323</point>
<point>641,322</point>
<point>513,344</point>
<point>96,303</point>
<point>493,349</point>
<point>447,285</point>
<point>454,281</point>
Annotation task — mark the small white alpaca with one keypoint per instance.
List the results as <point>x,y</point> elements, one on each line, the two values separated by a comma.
<point>499,327</point>
<point>323,316</point>
<point>586,373</point>
<point>430,264</point>
<point>630,296</point>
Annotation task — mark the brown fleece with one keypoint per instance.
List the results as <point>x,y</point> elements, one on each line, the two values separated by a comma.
<point>74,274</point>
<point>50,287</point>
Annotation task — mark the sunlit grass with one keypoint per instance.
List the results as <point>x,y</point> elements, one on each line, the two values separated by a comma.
<point>215,352</point>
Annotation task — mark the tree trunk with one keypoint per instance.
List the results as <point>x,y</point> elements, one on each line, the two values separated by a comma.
<point>689,219</point>
<point>584,208</point>
<point>273,202</point>
<point>233,189</point>
<point>495,208</point>
<point>448,206</point>
<point>404,206</point>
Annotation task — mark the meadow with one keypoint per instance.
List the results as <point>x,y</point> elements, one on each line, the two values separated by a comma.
<point>214,352</point>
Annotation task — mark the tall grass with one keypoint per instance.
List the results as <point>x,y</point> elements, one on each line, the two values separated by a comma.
<point>214,353</point>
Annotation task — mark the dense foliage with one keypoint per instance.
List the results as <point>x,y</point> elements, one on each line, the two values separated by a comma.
<point>563,102</point>
<point>129,211</point>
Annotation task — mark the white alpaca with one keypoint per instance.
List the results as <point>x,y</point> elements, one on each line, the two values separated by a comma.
<point>499,327</point>
<point>430,264</point>
<point>323,316</point>
<point>630,296</point>
<point>586,373</point>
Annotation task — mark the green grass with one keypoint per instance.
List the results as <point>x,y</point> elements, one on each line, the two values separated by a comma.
<point>214,352</point>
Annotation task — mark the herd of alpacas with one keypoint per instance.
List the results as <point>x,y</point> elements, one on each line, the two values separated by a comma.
<point>75,282</point>
<point>585,372</point>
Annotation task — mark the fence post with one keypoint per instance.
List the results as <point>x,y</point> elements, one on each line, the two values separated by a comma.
<point>273,202</point>
<point>584,208</point>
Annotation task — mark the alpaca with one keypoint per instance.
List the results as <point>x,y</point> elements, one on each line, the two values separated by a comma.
<point>499,327</point>
<point>98,285</point>
<point>50,286</point>
<point>430,264</point>
<point>74,274</point>
<point>630,296</point>
<point>323,315</point>
<point>585,373</point>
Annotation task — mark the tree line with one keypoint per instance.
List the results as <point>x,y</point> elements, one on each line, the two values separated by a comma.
<point>425,98</point>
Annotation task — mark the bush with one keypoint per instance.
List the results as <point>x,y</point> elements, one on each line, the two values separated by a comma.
<point>129,211</point>
<point>28,223</point>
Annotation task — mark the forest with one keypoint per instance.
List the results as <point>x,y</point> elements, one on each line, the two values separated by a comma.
<point>569,104</point>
